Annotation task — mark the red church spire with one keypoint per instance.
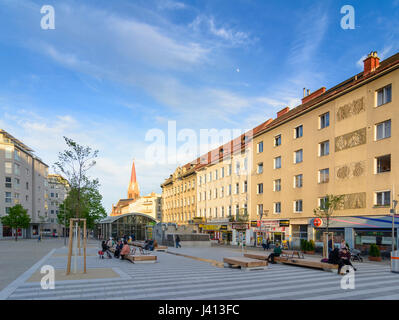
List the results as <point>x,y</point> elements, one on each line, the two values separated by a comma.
<point>133,191</point>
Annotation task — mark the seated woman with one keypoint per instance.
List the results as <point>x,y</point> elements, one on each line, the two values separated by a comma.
<point>118,249</point>
<point>125,250</point>
<point>276,253</point>
<point>105,249</point>
<point>345,259</point>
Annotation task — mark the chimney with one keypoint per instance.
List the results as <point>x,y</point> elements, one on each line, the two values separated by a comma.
<point>371,63</point>
<point>304,92</point>
<point>283,111</point>
<point>313,95</point>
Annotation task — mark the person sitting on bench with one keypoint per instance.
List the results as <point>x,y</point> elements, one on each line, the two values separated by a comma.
<point>118,249</point>
<point>125,250</point>
<point>345,259</point>
<point>276,253</point>
<point>105,249</point>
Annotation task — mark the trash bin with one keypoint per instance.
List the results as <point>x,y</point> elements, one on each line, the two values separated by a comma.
<point>395,261</point>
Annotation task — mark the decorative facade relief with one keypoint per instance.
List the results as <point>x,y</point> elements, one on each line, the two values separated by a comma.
<point>353,201</point>
<point>350,140</point>
<point>351,109</point>
<point>350,171</point>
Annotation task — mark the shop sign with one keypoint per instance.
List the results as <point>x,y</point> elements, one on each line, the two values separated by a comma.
<point>198,219</point>
<point>223,227</point>
<point>211,227</point>
<point>284,223</point>
<point>317,222</point>
<point>240,226</point>
<point>270,223</point>
<point>254,223</point>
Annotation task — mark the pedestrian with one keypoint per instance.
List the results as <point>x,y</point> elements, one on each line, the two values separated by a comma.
<point>264,244</point>
<point>125,250</point>
<point>255,241</point>
<point>276,253</point>
<point>105,249</point>
<point>177,241</point>
<point>343,244</point>
<point>345,259</point>
<point>118,249</point>
<point>268,243</point>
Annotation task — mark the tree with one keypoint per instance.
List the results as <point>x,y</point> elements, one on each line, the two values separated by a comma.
<point>90,206</point>
<point>17,218</point>
<point>327,208</point>
<point>74,163</point>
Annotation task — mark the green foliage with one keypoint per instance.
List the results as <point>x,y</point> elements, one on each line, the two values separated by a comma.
<point>17,218</point>
<point>90,206</point>
<point>311,245</point>
<point>307,245</point>
<point>304,244</point>
<point>374,251</point>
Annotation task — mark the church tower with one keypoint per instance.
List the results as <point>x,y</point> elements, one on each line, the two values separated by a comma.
<point>133,192</point>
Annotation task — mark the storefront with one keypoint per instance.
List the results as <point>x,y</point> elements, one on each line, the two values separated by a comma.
<point>274,230</point>
<point>241,233</point>
<point>359,232</point>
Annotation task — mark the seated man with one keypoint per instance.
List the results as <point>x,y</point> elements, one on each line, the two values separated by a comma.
<point>276,253</point>
<point>105,249</point>
<point>345,259</point>
<point>125,250</point>
<point>118,249</point>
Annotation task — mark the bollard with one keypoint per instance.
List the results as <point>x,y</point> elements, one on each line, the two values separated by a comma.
<point>395,261</point>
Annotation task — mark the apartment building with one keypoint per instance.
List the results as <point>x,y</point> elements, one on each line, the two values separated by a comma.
<point>57,192</point>
<point>223,188</point>
<point>340,141</point>
<point>179,195</point>
<point>24,181</point>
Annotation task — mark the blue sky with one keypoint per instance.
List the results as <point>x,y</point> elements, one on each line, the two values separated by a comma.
<point>112,70</point>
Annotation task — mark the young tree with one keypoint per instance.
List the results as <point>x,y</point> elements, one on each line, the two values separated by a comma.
<point>74,163</point>
<point>17,218</point>
<point>90,206</point>
<point>327,208</point>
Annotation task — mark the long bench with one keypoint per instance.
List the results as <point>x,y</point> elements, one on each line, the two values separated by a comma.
<point>257,256</point>
<point>307,263</point>
<point>292,253</point>
<point>142,258</point>
<point>161,248</point>
<point>245,263</point>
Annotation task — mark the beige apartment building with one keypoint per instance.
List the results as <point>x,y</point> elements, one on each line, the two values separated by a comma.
<point>24,181</point>
<point>57,192</point>
<point>342,141</point>
<point>179,195</point>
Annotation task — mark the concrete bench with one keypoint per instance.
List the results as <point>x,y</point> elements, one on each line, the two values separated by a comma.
<point>307,263</point>
<point>245,263</point>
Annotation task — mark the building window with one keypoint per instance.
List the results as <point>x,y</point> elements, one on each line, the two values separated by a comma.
<point>260,147</point>
<point>322,203</point>
<point>229,170</point>
<point>8,197</point>
<point>17,155</point>
<point>324,175</point>
<point>216,175</point>
<point>229,189</point>
<point>298,206</point>
<point>383,164</point>
<point>222,192</point>
<point>383,198</point>
<point>8,167</point>
<point>237,210</point>
<point>298,132</point>
<point>216,193</point>
<point>298,156</point>
<point>277,163</point>
<point>384,95</point>
<point>260,188</point>
<point>324,148</point>
<point>245,186</point>
<point>210,176</point>
<point>8,182</point>
<point>383,130</point>
<point>260,168</point>
<point>324,120</point>
<point>259,209</point>
<point>216,212</point>
<point>16,183</point>
<point>237,168</point>
<point>298,181</point>
<point>8,151</point>
<point>229,211</point>
<point>222,172</point>
<point>277,207</point>
<point>277,185</point>
<point>222,212</point>
<point>237,188</point>
<point>277,140</point>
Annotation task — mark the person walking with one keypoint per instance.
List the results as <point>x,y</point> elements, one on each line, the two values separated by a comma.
<point>276,253</point>
<point>177,241</point>
<point>264,244</point>
<point>268,243</point>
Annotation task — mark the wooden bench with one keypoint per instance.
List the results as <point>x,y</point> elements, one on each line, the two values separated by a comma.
<point>142,258</point>
<point>306,263</point>
<point>257,256</point>
<point>245,263</point>
<point>161,248</point>
<point>112,250</point>
<point>292,253</point>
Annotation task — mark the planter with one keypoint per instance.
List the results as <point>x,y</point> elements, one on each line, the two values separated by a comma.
<point>375,258</point>
<point>309,252</point>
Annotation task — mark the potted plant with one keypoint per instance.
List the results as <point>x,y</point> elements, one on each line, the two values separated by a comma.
<point>374,253</point>
<point>303,245</point>
<point>310,247</point>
